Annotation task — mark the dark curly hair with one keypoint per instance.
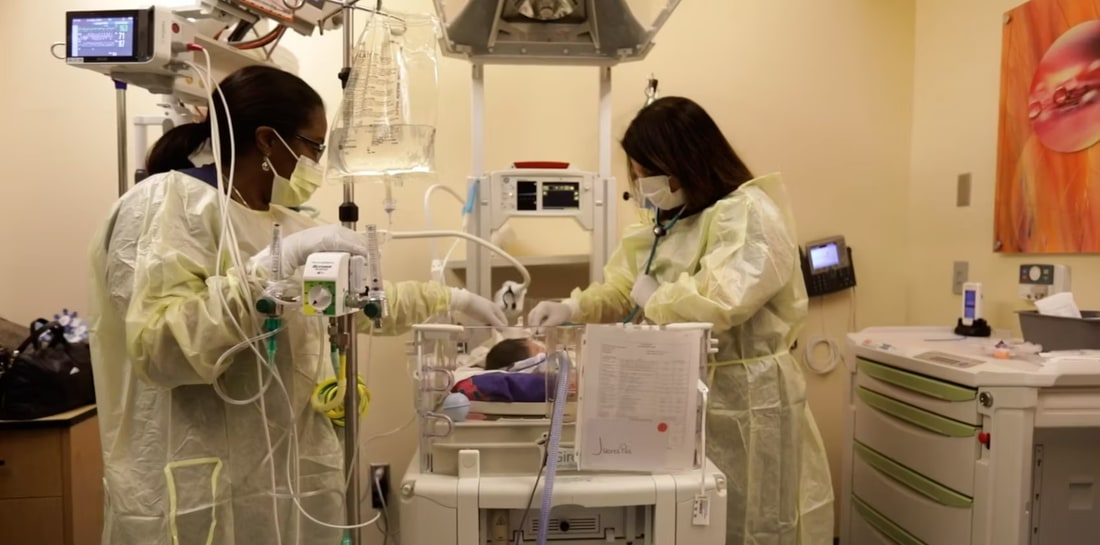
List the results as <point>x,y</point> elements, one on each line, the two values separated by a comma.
<point>506,353</point>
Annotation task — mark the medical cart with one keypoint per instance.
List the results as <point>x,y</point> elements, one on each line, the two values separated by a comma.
<point>948,445</point>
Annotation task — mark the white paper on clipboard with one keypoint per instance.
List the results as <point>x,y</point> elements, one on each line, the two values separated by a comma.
<point>638,399</point>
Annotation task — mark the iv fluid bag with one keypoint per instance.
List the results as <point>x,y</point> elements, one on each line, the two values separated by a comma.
<point>386,124</point>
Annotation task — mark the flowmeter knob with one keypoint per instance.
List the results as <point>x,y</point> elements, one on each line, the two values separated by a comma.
<point>373,310</point>
<point>266,306</point>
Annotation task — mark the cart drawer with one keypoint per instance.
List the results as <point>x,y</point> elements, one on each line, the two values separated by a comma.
<point>943,398</point>
<point>37,521</point>
<point>928,511</point>
<point>30,463</point>
<point>862,533</point>
<point>941,449</point>
<point>870,527</point>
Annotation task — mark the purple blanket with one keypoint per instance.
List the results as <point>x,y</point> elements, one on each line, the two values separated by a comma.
<point>504,387</point>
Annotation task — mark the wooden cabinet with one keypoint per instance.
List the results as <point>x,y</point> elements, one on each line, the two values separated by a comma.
<point>51,480</point>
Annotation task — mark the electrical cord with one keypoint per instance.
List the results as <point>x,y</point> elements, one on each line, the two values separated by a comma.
<point>822,366</point>
<point>834,355</point>
<point>384,529</point>
<point>293,458</point>
<point>531,498</point>
<point>384,524</point>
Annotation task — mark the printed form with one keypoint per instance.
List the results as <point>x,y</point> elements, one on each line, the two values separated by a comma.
<point>638,399</point>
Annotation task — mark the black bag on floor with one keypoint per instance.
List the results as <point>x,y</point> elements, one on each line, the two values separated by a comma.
<point>45,377</point>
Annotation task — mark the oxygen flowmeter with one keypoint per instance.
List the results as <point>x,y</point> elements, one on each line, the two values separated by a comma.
<point>338,283</point>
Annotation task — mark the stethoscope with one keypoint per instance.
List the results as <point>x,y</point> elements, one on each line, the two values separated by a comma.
<point>659,231</point>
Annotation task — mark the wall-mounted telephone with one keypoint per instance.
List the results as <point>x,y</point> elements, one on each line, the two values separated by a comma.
<point>827,266</point>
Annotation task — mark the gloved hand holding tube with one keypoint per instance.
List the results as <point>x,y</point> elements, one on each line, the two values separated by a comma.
<point>477,307</point>
<point>552,313</point>
<point>296,248</point>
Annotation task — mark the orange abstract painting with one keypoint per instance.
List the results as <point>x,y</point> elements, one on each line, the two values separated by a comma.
<point>1048,160</point>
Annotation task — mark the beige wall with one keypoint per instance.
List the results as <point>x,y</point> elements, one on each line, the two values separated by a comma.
<point>822,91</point>
<point>955,117</point>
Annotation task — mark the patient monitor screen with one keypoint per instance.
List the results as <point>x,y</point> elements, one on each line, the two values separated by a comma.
<point>527,196</point>
<point>102,37</point>
<point>532,196</point>
<point>561,195</point>
<point>824,256</point>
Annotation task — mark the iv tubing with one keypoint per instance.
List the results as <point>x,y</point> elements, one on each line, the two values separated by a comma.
<point>271,324</point>
<point>228,243</point>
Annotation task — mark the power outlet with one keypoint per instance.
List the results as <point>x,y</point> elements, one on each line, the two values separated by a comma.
<point>380,486</point>
<point>959,276</point>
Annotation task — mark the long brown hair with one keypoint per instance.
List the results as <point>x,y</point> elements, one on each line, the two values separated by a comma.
<point>676,137</point>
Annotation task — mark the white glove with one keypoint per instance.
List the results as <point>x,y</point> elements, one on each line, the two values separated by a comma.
<point>477,307</point>
<point>644,287</point>
<point>298,246</point>
<point>550,313</point>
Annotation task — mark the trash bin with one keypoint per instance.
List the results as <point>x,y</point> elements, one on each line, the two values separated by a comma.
<point>1062,333</point>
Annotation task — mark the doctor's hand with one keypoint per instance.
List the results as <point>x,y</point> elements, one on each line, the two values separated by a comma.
<point>477,307</point>
<point>644,287</point>
<point>550,313</point>
<point>297,247</point>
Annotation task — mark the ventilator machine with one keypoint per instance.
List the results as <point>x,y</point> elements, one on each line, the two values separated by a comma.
<point>471,481</point>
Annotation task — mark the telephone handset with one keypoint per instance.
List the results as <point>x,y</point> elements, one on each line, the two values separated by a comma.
<point>827,266</point>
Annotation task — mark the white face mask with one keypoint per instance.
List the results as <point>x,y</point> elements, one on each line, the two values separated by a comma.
<point>656,190</point>
<point>301,185</point>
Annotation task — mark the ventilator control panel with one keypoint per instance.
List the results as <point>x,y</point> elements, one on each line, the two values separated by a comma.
<point>827,266</point>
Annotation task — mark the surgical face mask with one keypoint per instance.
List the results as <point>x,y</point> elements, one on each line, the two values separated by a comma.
<point>301,185</point>
<point>656,191</point>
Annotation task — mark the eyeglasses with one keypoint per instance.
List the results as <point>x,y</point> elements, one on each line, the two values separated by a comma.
<point>318,146</point>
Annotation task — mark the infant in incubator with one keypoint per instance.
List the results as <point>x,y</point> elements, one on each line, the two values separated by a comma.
<point>512,370</point>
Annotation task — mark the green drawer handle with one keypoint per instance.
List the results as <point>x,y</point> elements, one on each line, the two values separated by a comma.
<point>912,480</point>
<point>916,383</point>
<point>917,417</point>
<point>885,526</point>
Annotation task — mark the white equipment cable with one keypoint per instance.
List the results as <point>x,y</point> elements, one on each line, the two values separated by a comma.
<point>234,252</point>
<point>704,391</point>
<point>834,355</point>
<point>228,235</point>
<point>428,225</point>
<point>397,235</point>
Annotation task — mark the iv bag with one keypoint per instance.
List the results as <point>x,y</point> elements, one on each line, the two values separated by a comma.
<point>385,128</point>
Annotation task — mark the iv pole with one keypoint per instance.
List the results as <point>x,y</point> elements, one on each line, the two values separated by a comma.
<point>349,217</point>
<point>120,108</point>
